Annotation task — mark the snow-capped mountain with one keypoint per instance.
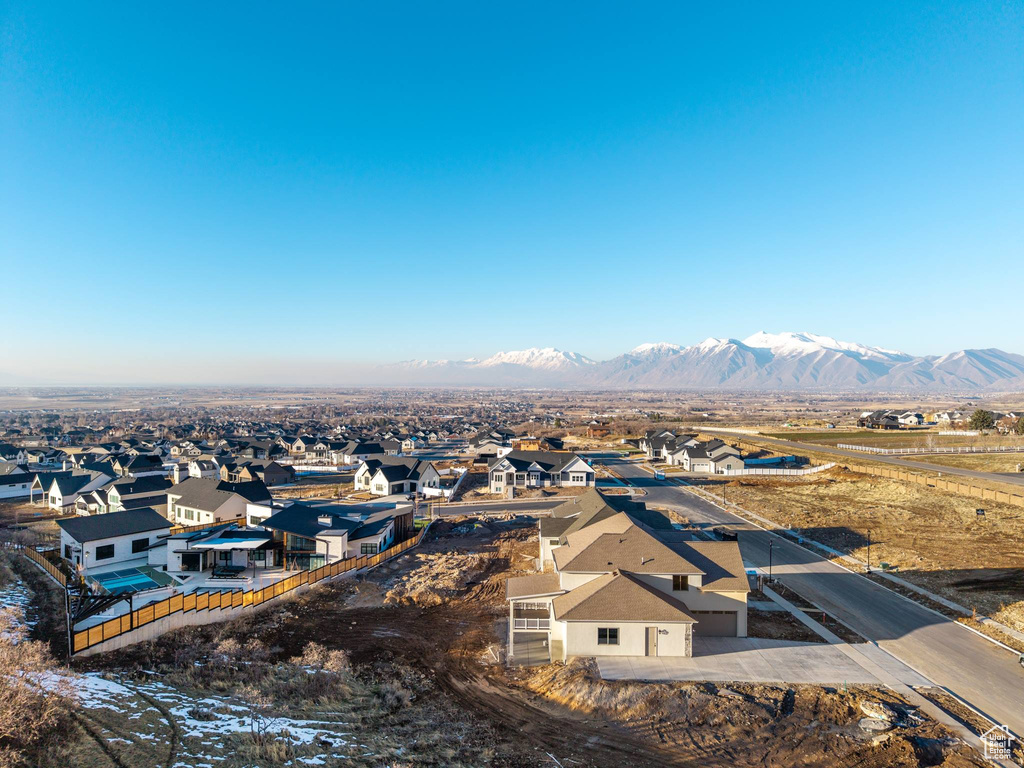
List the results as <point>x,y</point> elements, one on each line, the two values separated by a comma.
<point>547,359</point>
<point>658,348</point>
<point>763,361</point>
<point>786,344</point>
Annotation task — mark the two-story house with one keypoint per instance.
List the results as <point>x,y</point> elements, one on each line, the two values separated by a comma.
<point>538,469</point>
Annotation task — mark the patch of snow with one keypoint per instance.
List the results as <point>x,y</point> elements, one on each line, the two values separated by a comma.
<point>17,596</point>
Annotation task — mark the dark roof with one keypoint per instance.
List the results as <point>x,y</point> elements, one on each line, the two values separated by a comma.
<point>210,494</point>
<point>548,461</point>
<point>303,519</point>
<point>83,529</point>
<point>129,486</point>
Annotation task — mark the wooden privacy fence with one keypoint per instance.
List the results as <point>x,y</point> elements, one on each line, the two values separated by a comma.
<point>224,599</point>
<point>47,565</point>
<point>952,486</point>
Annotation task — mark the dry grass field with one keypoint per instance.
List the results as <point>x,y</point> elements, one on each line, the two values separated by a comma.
<point>912,438</point>
<point>986,462</point>
<point>936,539</point>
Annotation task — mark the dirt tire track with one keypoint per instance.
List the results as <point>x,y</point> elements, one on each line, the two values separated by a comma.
<point>171,721</point>
<point>88,725</point>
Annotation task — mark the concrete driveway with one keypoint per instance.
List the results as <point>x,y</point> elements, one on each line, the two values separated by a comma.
<point>756,660</point>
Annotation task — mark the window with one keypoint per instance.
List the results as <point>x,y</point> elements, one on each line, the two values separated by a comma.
<point>368,549</point>
<point>553,542</point>
<point>607,635</point>
<point>105,552</point>
<point>67,551</point>
<point>680,583</point>
<point>578,478</point>
<point>140,545</point>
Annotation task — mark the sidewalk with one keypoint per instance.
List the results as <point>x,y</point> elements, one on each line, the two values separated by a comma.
<point>888,670</point>
<point>861,565</point>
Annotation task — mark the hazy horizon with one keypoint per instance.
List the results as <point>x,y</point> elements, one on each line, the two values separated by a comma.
<point>197,194</point>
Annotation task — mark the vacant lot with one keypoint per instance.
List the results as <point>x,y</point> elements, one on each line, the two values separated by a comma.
<point>911,438</point>
<point>935,538</point>
<point>986,462</point>
<point>746,724</point>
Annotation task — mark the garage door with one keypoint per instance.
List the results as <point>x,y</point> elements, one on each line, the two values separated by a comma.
<point>715,623</point>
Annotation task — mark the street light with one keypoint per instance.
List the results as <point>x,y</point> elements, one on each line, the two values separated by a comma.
<point>771,543</point>
<point>869,551</point>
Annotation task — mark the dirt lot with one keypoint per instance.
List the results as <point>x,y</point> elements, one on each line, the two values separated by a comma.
<point>936,539</point>
<point>986,462</point>
<point>911,438</point>
<point>422,689</point>
<point>745,724</point>
<point>325,486</point>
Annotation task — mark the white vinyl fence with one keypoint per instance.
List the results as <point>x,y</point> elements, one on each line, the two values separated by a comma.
<point>947,449</point>
<point>779,470</point>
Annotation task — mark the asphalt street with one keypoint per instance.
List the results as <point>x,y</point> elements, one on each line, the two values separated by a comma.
<point>978,671</point>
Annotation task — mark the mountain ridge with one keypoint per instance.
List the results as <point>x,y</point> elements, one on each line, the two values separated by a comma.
<point>762,361</point>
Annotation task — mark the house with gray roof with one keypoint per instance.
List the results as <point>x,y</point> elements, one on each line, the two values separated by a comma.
<point>623,582</point>
<point>64,488</point>
<point>539,469</point>
<point>201,500</point>
<point>396,474</point>
<point>313,534</point>
<point>100,541</point>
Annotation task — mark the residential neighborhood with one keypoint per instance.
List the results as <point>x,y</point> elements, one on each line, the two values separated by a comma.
<point>476,385</point>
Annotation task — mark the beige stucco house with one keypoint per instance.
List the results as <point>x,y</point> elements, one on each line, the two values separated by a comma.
<point>619,586</point>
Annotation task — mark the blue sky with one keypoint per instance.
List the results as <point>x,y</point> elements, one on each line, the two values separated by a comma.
<point>208,192</point>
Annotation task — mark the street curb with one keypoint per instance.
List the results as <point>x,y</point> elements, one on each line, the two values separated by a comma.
<point>992,640</point>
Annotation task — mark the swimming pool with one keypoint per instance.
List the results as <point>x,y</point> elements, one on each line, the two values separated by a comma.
<point>131,580</point>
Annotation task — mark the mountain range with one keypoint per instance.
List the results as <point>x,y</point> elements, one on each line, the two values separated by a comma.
<point>764,361</point>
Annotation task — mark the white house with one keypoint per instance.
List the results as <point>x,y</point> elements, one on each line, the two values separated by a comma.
<point>388,475</point>
<point>200,500</point>
<point>539,469</point>
<point>65,487</point>
<point>15,481</point>
<point>712,457</point>
<point>203,468</point>
<point>317,534</point>
<point>99,541</point>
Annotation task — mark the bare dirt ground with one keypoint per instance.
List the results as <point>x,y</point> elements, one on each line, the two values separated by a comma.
<point>746,724</point>
<point>936,539</point>
<point>326,486</point>
<point>418,634</point>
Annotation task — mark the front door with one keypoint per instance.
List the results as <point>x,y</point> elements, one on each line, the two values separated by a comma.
<point>652,642</point>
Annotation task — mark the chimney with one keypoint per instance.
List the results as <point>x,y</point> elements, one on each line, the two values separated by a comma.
<point>325,520</point>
